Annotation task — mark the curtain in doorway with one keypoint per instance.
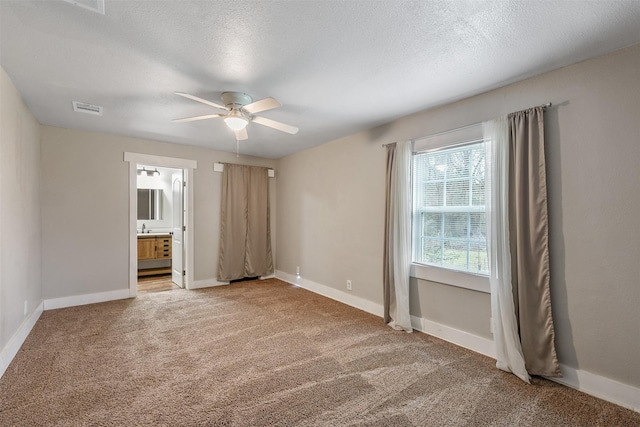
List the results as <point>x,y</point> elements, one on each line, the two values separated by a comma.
<point>245,232</point>
<point>517,231</point>
<point>397,237</point>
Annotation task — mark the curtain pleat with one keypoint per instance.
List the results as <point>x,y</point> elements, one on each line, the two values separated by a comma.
<point>397,234</point>
<point>529,241</point>
<point>245,232</point>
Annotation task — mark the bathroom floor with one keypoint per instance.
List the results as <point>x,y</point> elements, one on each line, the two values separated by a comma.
<point>157,283</point>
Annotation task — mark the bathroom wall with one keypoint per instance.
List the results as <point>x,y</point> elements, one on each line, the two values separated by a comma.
<point>161,182</point>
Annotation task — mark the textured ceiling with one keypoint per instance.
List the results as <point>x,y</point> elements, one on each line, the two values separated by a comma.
<point>338,67</point>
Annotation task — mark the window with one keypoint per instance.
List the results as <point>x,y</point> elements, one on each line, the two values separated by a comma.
<point>449,219</point>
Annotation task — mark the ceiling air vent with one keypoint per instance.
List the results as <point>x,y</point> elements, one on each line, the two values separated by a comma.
<point>96,6</point>
<point>81,107</point>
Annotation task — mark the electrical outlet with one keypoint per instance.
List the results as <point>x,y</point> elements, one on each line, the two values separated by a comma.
<point>349,285</point>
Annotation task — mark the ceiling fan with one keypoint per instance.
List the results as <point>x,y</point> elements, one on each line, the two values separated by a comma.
<point>240,109</point>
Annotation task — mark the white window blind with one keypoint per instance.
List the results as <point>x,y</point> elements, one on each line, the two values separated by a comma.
<point>449,219</point>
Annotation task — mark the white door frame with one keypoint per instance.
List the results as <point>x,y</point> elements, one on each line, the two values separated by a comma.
<point>170,162</point>
<point>178,208</point>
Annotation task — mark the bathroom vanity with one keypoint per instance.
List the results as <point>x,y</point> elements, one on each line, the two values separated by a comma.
<point>154,254</point>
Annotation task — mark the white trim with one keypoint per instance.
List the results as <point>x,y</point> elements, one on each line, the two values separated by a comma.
<point>167,162</point>
<point>334,294</point>
<point>219,167</point>
<point>188,237</point>
<point>15,342</point>
<point>133,225</point>
<point>600,387</point>
<point>461,338</point>
<point>455,336</point>
<point>72,301</point>
<point>210,283</point>
<point>460,279</point>
<point>207,283</point>
<point>586,382</point>
<point>188,166</point>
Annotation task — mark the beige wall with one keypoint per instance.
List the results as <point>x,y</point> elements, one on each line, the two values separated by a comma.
<point>331,210</point>
<point>85,208</point>
<point>20,278</point>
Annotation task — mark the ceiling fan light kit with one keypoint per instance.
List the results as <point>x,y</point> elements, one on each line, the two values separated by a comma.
<point>240,111</point>
<point>236,120</point>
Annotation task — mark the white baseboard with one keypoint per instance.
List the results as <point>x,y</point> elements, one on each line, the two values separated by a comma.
<point>72,301</point>
<point>604,388</point>
<point>333,293</point>
<point>455,336</point>
<point>600,387</point>
<point>595,385</point>
<point>11,349</point>
<point>207,283</point>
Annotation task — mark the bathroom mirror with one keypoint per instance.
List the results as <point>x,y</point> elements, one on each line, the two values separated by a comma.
<point>149,203</point>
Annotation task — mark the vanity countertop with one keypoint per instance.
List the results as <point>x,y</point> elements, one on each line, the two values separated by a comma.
<point>152,234</point>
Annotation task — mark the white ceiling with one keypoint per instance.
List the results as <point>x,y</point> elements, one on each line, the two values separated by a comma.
<point>338,67</point>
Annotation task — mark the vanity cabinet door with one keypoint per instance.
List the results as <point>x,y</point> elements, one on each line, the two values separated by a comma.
<point>146,248</point>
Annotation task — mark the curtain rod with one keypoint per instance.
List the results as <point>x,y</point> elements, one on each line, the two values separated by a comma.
<point>219,167</point>
<point>240,164</point>
<point>547,105</point>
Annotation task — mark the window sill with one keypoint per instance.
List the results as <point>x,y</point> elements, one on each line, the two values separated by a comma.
<point>459,279</point>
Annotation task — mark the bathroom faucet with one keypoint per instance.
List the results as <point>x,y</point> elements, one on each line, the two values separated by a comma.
<point>143,227</point>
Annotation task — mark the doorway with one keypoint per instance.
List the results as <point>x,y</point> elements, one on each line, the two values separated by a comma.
<point>176,236</point>
<point>159,227</point>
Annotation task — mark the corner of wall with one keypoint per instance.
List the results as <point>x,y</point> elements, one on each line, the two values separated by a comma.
<point>329,292</point>
<point>15,342</point>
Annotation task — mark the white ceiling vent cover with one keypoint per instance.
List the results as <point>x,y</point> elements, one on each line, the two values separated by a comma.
<point>81,107</point>
<point>96,6</point>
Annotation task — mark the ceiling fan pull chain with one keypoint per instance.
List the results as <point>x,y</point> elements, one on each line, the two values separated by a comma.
<point>237,148</point>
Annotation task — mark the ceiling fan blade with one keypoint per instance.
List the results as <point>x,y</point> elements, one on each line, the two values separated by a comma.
<point>276,125</point>
<point>191,119</point>
<point>241,134</point>
<point>204,101</point>
<point>262,105</point>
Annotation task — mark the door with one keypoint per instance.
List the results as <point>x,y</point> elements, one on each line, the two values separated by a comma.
<point>146,248</point>
<point>177,245</point>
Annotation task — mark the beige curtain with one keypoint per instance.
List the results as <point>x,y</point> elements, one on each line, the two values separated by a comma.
<point>387,273</point>
<point>245,232</point>
<point>529,241</point>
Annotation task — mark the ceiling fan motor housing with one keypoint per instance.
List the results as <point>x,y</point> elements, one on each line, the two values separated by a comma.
<point>236,100</point>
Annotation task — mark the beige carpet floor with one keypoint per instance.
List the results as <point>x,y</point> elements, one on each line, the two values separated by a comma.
<point>260,354</point>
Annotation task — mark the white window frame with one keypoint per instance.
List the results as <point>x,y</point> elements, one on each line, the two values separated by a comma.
<point>461,279</point>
